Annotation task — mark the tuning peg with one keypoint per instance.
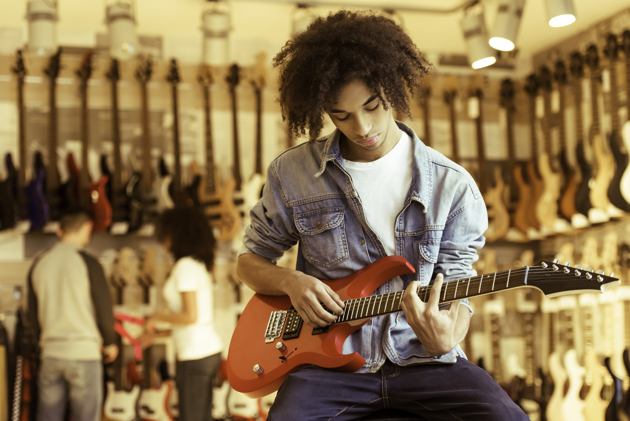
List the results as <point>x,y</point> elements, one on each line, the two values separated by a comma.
<point>566,270</point>
<point>612,274</point>
<point>556,261</point>
<point>600,272</point>
<point>544,265</point>
<point>578,267</point>
<point>577,272</point>
<point>567,264</point>
<point>589,269</point>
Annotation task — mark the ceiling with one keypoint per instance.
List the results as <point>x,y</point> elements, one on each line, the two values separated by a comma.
<point>265,25</point>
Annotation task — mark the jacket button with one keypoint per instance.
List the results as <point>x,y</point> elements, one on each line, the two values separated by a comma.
<point>369,322</point>
<point>400,319</point>
<point>319,225</point>
<point>362,241</point>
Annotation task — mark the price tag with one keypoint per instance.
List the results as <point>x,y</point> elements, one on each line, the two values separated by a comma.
<point>540,107</point>
<point>473,107</point>
<point>606,80</point>
<point>555,101</point>
<point>119,228</point>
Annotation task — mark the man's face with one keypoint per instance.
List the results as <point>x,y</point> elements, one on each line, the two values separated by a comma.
<point>370,131</point>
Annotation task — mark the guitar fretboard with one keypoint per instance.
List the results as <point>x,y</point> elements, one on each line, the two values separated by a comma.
<point>379,305</point>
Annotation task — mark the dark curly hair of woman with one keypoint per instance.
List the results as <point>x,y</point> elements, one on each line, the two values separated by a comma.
<point>189,234</point>
<point>334,51</point>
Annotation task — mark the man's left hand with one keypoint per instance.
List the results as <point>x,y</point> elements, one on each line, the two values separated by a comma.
<point>433,326</point>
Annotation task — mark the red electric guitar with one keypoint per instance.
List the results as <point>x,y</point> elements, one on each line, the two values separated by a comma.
<point>270,340</point>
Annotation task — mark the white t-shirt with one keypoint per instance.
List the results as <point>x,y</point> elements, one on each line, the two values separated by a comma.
<point>198,340</point>
<point>383,186</point>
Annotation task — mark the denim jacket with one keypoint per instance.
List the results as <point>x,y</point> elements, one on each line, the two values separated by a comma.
<point>310,198</point>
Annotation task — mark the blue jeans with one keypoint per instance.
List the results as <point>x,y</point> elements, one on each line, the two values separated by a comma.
<point>459,391</point>
<point>60,381</point>
<point>194,386</point>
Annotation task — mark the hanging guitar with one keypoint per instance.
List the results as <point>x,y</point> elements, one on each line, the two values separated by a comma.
<point>498,217</point>
<point>625,132</point>
<point>271,341</point>
<point>617,148</point>
<point>9,206</point>
<point>547,205</point>
<point>582,193</point>
<point>569,185</point>
<point>519,190</point>
<point>92,194</point>
<point>426,113</point>
<point>533,174</point>
<point>603,164</point>
<point>149,196</point>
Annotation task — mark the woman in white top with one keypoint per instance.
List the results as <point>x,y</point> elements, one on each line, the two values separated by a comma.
<point>189,296</point>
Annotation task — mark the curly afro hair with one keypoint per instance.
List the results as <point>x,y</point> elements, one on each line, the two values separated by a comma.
<point>334,51</point>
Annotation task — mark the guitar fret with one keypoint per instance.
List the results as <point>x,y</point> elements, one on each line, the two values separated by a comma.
<point>374,304</point>
<point>493,280</point>
<point>468,286</point>
<point>480,282</point>
<point>400,302</point>
<point>507,285</point>
<point>456,286</point>
<point>426,291</point>
<point>445,286</point>
<point>362,306</point>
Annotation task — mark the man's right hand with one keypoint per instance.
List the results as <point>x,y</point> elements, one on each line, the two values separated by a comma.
<point>307,295</point>
<point>110,352</point>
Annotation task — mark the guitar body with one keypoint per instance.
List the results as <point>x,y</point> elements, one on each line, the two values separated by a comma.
<point>567,196</point>
<point>120,405</point>
<point>594,404</point>
<point>536,189</point>
<point>521,215</point>
<point>559,375</point>
<point>614,411</point>
<point>153,404</point>
<point>230,220</point>
<point>100,206</point>
<point>252,192</point>
<point>583,191</point>
<point>497,211</point>
<point>621,165</point>
<point>624,184</point>
<point>605,172</point>
<point>161,185</point>
<point>248,346</point>
<point>626,397</point>
<point>133,200</point>
<point>547,205</point>
<point>572,405</point>
<point>38,209</point>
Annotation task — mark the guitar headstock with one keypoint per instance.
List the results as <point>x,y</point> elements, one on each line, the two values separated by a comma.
<point>553,278</point>
<point>173,73</point>
<point>576,63</point>
<point>259,72</point>
<point>625,43</point>
<point>147,267</point>
<point>560,73</point>
<point>84,72</point>
<point>54,65</point>
<point>612,47</point>
<point>205,75</point>
<point>592,57</point>
<point>19,70</point>
<point>545,78</point>
<point>144,70</point>
<point>507,93</point>
<point>113,73</point>
<point>234,76</point>
<point>532,85</point>
<point>449,96</point>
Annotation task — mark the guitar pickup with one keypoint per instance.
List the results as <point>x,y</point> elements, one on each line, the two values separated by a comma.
<point>294,325</point>
<point>320,330</point>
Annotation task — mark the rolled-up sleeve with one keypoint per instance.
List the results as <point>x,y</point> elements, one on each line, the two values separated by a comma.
<point>272,228</point>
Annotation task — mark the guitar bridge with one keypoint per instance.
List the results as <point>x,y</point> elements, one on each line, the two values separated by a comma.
<point>275,325</point>
<point>294,325</point>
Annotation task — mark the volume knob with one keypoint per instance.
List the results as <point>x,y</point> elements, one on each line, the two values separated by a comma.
<point>258,369</point>
<point>281,347</point>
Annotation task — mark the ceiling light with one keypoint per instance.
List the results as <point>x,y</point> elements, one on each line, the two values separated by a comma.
<point>42,22</point>
<point>216,26</point>
<point>479,52</point>
<point>506,25</point>
<point>560,12</point>
<point>120,17</point>
<point>302,18</point>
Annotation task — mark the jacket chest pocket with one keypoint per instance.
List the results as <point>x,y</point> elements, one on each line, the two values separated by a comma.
<point>323,236</point>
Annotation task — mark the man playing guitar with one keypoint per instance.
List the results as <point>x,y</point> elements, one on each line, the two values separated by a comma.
<point>368,190</point>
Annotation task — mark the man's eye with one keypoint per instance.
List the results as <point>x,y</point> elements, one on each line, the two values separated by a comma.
<point>373,109</point>
<point>342,119</point>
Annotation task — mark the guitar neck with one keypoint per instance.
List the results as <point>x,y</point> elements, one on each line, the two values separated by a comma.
<point>258,166</point>
<point>614,110</point>
<point>382,304</point>
<point>628,82</point>
<point>211,187</point>
<point>236,148</point>
<point>177,177</point>
<point>532,127</point>
<point>52,180</point>
<point>594,102</point>
<point>116,176</point>
<point>495,339</point>
<point>577,96</point>
<point>561,128</point>
<point>528,320</point>
<point>146,138</point>
<point>547,123</point>
<point>21,132</point>
<point>509,114</point>
<point>481,153</point>
<point>427,118</point>
<point>453,117</point>
<point>84,180</point>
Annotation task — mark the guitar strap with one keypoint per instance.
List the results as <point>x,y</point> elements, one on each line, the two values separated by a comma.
<point>118,326</point>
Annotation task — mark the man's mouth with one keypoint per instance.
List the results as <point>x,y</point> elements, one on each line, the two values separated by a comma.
<point>369,141</point>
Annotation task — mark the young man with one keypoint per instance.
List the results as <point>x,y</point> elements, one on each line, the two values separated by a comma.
<point>369,190</point>
<point>71,310</point>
